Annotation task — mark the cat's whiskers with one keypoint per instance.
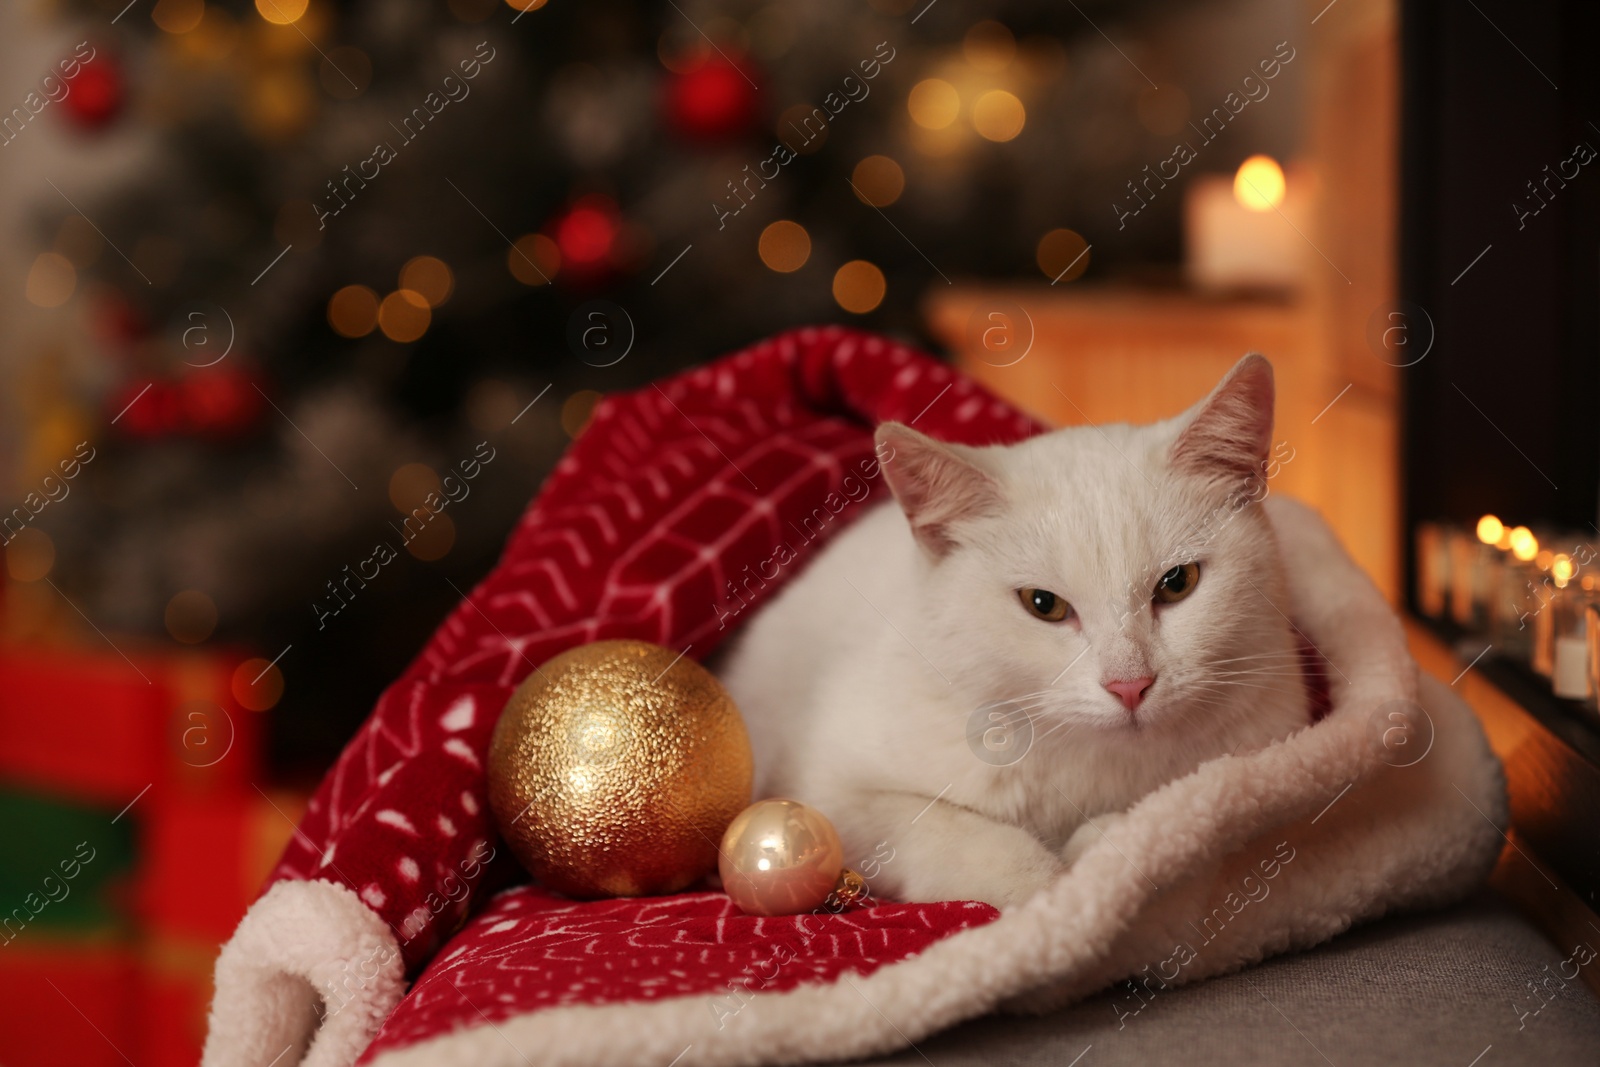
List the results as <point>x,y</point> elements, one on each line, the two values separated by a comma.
<point>1221,693</point>
<point>1262,667</point>
<point>1287,690</point>
<point>1029,696</point>
<point>1216,682</point>
<point>1073,723</point>
<point>1031,702</point>
<point>1256,656</point>
<point>1260,672</point>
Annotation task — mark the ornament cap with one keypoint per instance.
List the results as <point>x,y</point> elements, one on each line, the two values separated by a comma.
<point>850,890</point>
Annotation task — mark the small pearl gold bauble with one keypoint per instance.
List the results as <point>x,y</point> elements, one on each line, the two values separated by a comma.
<point>780,857</point>
<point>614,769</point>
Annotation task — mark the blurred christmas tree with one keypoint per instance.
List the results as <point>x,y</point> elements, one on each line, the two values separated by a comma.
<point>315,252</point>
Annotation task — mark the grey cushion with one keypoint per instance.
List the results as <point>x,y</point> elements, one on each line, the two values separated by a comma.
<point>1443,988</point>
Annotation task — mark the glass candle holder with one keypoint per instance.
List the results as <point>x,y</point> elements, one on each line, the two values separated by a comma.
<point>1571,664</point>
<point>1540,608</point>
<point>1542,657</point>
<point>1474,577</point>
<point>1591,641</point>
<point>1515,607</point>
<point>1433,569</point>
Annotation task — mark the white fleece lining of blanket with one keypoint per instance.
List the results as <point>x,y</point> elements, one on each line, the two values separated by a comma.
<point>307,978</point>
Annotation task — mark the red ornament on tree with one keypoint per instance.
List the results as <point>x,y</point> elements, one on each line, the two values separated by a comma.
<point>587,231</point>
<point>150,410</point>
<point>590,234</point>
<point>213,402</point>
<point>712,102</point>
<point>95,94</point>
<point>219,401</point>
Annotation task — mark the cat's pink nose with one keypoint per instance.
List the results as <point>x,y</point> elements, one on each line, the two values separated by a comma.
<point>1130,691</point>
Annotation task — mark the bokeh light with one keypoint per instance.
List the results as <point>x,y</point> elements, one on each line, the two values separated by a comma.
<point>1524,545</point>
<point>491,405</point>
<point>214,39</point>
<point>998,115</point>
<point>279,103</point>
<point>680,49</point>
<point>934,103</point>
<point>1062,255</point>
<point>989,46</point>
<point>51,280</point>
<point>429,277</point>
<point>1562,569</point>
<point>803,128</point>
<point>525,5</point>
<point>404,316</point>
<point>1259,184</point>
<point>30,555</point>
<point>257,684</point>
<point>353,311</point>
<point>858,286</point>
<point>533,259</point>
<point>191,616</point>
<point>577,409</point>
<point>772,31</point>
<point>435,540</point>
<point>1490,529</point>
<point>178,16</point>
<point>282,12</point>
<point>878,180</point>
<point>784,246</point>
<point>586,233</point>
<point>410,485</point>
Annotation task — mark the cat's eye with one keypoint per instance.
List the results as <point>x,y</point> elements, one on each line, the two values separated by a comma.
<point>1043,604</point>
<point>1177,583</point>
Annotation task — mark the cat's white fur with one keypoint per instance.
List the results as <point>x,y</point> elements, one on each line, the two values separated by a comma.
<point>894,681</point>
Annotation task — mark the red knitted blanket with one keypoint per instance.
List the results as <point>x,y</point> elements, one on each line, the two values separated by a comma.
<point>648,529</point>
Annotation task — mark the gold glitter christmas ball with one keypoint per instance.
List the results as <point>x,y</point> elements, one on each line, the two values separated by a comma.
<point>615,768</point>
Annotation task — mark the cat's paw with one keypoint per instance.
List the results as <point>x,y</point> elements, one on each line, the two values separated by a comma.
<point>1004,875</point>
<point>1089,834</point>
<point>1009,889</point>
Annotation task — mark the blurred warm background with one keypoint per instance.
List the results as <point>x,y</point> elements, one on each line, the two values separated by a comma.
<point>269,269</point>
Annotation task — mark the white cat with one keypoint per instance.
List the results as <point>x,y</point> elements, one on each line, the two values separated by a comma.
<point>1034,638</point>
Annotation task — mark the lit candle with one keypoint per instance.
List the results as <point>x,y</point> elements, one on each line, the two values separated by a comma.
<point>1570,678</point>
<point>1241,232</point>
<point>1569,666</point>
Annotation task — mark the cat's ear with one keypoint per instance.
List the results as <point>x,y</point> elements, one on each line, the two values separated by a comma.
<point>937,486</point>
<point>1228,435</point>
